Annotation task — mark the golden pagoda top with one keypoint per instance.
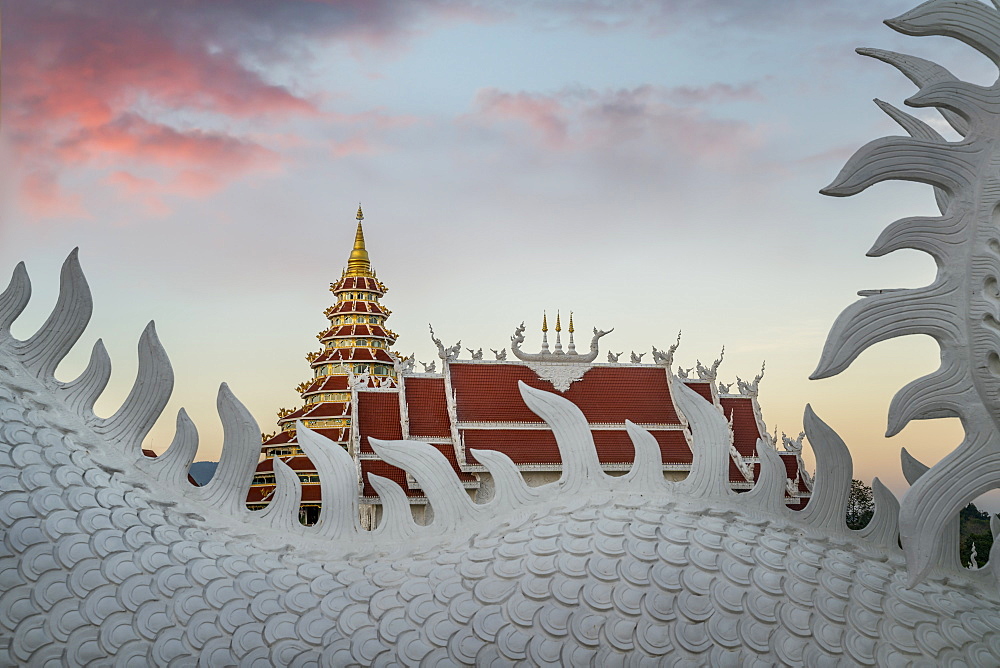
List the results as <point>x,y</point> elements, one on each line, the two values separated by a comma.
<point>358,263</point>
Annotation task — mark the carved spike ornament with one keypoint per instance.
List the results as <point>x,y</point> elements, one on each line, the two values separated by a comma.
<point>960,309</point>
<point>113,558</point>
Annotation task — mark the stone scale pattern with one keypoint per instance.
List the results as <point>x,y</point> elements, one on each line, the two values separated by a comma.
<point>104,560</point>
<point>96,567</point>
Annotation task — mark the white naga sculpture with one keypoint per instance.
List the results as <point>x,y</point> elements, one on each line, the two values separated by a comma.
<point>113,558</point>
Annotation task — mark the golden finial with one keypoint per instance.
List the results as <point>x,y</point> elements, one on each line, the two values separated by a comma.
<point>545,322</point>
<point>558,324</point>
<point>358,263</point>
<point>570,322</point>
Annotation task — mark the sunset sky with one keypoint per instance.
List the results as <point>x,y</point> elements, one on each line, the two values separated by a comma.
<point>651,166</point>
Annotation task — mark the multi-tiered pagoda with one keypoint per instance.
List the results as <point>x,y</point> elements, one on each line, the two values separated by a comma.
<point>354,354</point>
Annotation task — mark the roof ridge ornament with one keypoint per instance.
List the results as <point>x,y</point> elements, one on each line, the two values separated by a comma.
<point>665,358</point>
<point>447,354</point>
<point>559,356</point>
<point>750,389</point>
<point>712,372</point>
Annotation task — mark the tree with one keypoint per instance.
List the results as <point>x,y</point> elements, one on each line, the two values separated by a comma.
<point>860,505</point>
<point>974,528</point>
<point>974,523</point>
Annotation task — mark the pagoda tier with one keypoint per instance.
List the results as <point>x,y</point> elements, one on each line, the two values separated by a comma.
<point>354,354</point>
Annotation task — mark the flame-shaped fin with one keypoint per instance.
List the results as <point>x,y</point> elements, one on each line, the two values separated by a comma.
<point>884,525</point>
<point>975,103</point>
<point>227,490</point>
<point>932,503</point>
<point>931,310</point>
<point>576,444</point>
<point>14,299</point>
<point>81,394</point>
<point>917,128</point>
<point>338,484</point>
<point>968,21</point>
<point>712,436</point>
<point>173,465</point>
<point>768,494</point>
<point>922,73</point>
<point>939,394</point>
<point>647,464</point>
<point>912,467</point>
<point>43,352</point>
<point>948,166</point>
<point>511,491</point>
<point>434,474</point>
<point>282,513</point>
<point>938,236</point>
<point>946,552</point>
<point>913,125</point>
<point>154,382</point>
<point>827,509</point>
<point>397,520</point>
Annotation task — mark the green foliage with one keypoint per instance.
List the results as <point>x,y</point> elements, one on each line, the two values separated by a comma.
<point>860,505</point>
<point>975,528</point>
<point>974,523</point>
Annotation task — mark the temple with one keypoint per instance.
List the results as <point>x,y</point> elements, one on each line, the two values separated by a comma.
<point>361,390</point>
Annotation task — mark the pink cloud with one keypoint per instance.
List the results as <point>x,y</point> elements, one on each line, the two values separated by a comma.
<point>546,115</point>
<point>625,121</point>
<point>101,84</point>
<point>43,197</point>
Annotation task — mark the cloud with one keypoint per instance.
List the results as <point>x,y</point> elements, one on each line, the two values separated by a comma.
<point>672,16</point>
<point>42,196</point>
<point>168,89</point>
<point>622,122</point>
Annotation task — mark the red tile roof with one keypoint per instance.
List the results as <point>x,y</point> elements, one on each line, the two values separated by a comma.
<point>357,283</point>
<point>338,434</point>
<point>296,414</point>
<point>358,330</point>
<point>355,355</point>
<point>360,306</point>
<point>702,387</point>
<point>386,470</point>
<point>329,409</point>
<point>336,383</point>
<point>488,393</point>
<point>378,417</point>
<point>538,446</point>
<point>448,450</point>
<point>745,429</point>
<point>280,438</point>
<point>735,474</point>
<point>425,402</point>
<point>296,463</point>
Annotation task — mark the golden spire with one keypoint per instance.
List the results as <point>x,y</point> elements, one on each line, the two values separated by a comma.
<point>558,324</point>
<point>545,322</point>
<point>358,264</point>
<point>570,322</point>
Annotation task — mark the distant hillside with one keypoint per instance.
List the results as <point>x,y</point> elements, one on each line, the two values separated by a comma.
<point>202,472</point>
